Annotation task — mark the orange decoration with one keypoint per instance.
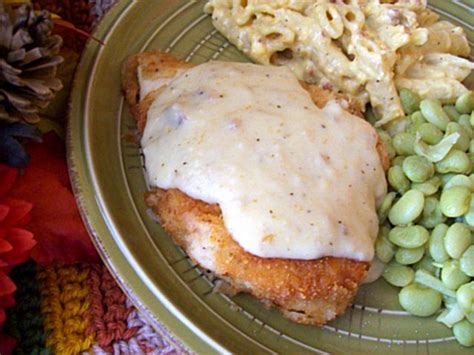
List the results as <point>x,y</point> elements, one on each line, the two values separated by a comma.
<point>55,219</point>
<point>15,242</point>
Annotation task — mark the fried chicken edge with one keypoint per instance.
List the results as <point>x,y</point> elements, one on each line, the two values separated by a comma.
<point>305,291</point>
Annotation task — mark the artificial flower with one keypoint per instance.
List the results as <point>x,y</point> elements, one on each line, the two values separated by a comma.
<point>15,241</point>
<point>55,219</point>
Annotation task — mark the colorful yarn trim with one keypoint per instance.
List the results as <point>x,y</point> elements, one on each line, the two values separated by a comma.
<point>64,290</point>
<point>25,320</point>
<point>108,311</point>
<point>71,309</point>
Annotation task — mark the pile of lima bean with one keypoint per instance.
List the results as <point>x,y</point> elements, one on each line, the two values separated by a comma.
<point>427,219</point>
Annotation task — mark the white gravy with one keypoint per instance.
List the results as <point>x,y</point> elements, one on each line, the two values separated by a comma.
<point>292,180</point>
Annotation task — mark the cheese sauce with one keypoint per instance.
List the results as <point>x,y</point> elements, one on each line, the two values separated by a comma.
<point>292,180</point>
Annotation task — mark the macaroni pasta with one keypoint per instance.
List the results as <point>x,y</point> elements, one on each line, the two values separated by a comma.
<point>365,48</point>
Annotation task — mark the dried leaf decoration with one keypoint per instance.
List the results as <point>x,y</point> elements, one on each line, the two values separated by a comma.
<point>55,219</point>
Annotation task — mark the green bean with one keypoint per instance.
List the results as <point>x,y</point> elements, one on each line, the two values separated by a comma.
<point>451,316</point>
<point>387,142</point>
<point>471,119</point>
<point>460,180</point>
<point>418,169</point>
<point>409,237</point>
<point>426,263</point>
<point>398,275</point>
<point>403,143</point>
<point>426,279</point>
<point>430,133</point>
<point>431,215</point>
<point>420,301</point>
<point>384,249</point>
<point>452,276</point>
<point>397,179</point>
<point>429,187</point>
<point>397,161</point>
<point>451,111</point>
<point>457,240</point>
<point>385,206</point>
<point>435,153</point>
<point>465,297</point>
<point>464,140</point>
<point>409,256</point>
<point>471,146</point>
<point>456,161</point>
<point>465,102</point>
<point>467,261</point>
<point>407,208</point>
<point>455,201</point>
<point>464,333</point>
<point>433,112</point>
<point>436,244</point>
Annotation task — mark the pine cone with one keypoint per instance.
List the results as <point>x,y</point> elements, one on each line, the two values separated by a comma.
<point>28,62</point>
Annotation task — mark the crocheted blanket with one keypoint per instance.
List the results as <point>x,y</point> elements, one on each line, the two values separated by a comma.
<point>69,309</point>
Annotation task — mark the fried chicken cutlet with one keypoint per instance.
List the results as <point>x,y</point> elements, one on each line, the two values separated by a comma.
<point>305,291</point>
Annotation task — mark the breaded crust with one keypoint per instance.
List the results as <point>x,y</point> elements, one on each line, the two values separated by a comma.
<point>305,291</point>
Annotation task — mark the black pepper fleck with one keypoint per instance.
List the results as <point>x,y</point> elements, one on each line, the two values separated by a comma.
<point>323,126</point>
<point>279,106</point>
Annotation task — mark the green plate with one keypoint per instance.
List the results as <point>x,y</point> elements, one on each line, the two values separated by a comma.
<point>107,175</point>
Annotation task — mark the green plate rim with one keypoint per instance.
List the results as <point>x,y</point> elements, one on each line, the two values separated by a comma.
<point>164,317</point>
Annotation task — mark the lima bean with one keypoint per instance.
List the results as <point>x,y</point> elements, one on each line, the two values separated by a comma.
<point>398,275</point>
<point>455,201</point>
<point>384,248</point>
<point>436,244</point>
<point>434,113</point>
<point>465,297</point>
<point>404,143</point>
<point>457,240</point>
<point>451,111</point>
<point>460,180</point>
<point>420,301</point>
<point>407,208</point>
<point>418,168</point>
<point>456,161</point>
<point>430,133</point>
<point>452,276</point>
<point>385,207</point>
<point>431,215</point>
<point>410,101</point>
<point>409,256</point>
<point>464,140</point>
<point>467,261</point>
<point>409,237</point>
<point>429,187</point>
<point>464,333</point>
<point>465,102</point>
<point>397,179</point>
